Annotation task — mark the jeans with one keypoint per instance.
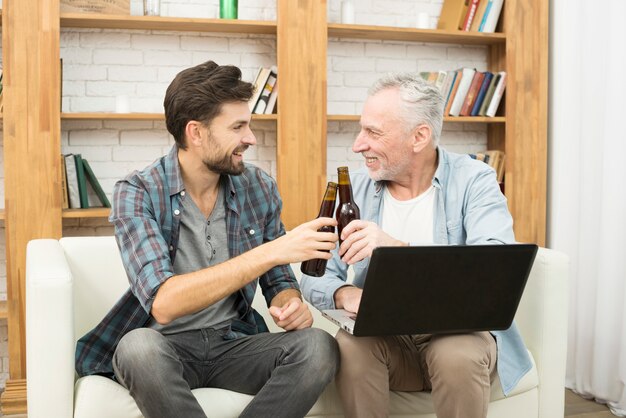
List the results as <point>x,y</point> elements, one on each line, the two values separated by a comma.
<point>286,371</point>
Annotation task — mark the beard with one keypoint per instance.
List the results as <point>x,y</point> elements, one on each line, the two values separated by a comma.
<point>225,164</point>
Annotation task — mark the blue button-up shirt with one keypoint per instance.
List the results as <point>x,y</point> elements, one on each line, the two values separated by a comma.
<point>469,210</point>
<point>146,214</point>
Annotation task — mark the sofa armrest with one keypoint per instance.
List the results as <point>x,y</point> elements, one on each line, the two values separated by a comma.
<point>50,340</point>
<point>542,321</point>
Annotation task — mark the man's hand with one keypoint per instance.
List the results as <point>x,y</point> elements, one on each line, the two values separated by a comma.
<point>304,242</point>
<point>348,298</point>
<point>360,238</point>
<point>292,315</point>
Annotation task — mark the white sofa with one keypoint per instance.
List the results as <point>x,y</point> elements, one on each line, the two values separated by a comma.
<point>72,283</point>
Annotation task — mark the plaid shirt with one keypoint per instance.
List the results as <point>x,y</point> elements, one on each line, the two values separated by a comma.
<point>146,212</point>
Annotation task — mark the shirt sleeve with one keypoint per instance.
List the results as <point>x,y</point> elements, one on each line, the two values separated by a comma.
<point>143,248</point>
<point>487,218</point>
<point>320,291</point>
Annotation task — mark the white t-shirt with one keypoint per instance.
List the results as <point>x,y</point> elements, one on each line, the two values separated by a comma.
<point>409,220</point>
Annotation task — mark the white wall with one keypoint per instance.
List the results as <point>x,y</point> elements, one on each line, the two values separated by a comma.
<point>100,64</point>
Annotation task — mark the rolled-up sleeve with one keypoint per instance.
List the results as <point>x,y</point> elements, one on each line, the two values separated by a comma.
<point>144,250</point>
<point>320,291</point>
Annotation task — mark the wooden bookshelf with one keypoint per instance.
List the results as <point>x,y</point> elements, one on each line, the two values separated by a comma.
<point>32,116</point>
<point>134,116</point>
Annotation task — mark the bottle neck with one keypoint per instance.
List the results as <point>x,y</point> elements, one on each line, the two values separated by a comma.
<point>328,204</point>
<point>345,188</point>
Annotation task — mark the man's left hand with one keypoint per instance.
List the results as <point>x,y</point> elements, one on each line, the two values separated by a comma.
<point>360,238</point>
<point>292,315</point>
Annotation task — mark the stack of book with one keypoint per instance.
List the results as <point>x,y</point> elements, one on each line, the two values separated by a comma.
<point>468,92</point>
<point>265,91</point>
<point>470,15</point>
<point>80,187</point>
<point>495,159</point>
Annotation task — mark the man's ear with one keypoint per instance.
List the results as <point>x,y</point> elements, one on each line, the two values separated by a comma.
<point>422,136</point>
<point>193,134</point>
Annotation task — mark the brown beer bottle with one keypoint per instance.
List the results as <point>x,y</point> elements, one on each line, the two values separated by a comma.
<point>317,266</point>
<point>347,209</point>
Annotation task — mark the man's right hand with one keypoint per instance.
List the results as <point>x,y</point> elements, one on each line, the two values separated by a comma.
<point>305,243</point>
<point>348,298</point>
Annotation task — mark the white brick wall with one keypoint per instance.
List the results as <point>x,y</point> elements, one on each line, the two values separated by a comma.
<point>101,64</point>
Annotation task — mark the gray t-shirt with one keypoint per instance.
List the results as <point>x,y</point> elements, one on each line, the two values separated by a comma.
<point>202,242</point>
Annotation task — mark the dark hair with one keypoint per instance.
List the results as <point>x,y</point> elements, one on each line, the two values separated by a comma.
<point>199,92</point>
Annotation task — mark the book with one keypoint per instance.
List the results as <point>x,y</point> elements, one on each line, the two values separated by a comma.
<point>497,96</point>
<point>483,20</point>
<point>95,185</point>
<point>492,18</point>
<point>469,16</point>
<point>267,91</point>
<point>82,182</point>
<point>466,81</point>
<point>481,93</point>
<point>478,17</point>
<point>271,103</point>
<point>489,94</point>
<point>453,90</point>
<point>441,79</point>
<point>259,84</point>
<point>447,86</point>
<point>65,202</point>
<point>452,14</point>
<point>72,181</point>
<point>472,94</point>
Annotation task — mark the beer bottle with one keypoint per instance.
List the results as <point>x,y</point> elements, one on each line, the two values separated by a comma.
<point>347,209</point>
<point>317,266</point>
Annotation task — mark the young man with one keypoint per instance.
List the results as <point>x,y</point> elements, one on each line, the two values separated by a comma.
<point>196,229</point>
<point>413,192</point>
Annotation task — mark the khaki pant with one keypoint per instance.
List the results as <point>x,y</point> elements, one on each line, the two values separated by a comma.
<point>458,369</point>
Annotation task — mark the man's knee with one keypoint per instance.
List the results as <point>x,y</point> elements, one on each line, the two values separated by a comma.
<point>459,358</point>
<point>139,346</point>
<point>320,351</point>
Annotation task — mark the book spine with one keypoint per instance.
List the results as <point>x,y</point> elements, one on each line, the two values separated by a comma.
<point>271,103</point>
<point>267,91</point>
<point>464,85</point>
<point>497,96</point>
<point>481,27</point>
<point>453,91</point>
<point>481,93</point>
<point>471,11</point>
<point>472,94</point>
<point>82,182</point>
<point>494,16</point>
<point>72,182</point>
<point>489,95</point>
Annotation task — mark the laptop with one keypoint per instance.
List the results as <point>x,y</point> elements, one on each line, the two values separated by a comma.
<point>439,289</point>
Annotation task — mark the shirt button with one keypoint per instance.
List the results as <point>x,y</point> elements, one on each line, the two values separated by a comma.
<point>208,237</point>
<point>182,193</point>
<point>252,231</point>
<point>176,212</point>
<point>171,248</point>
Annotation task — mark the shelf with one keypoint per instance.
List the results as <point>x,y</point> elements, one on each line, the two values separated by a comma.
<point>390,33</point>
<point>86,20</point>
<point>86,213</point>
<point>135,116</point>
<point>452,119</point>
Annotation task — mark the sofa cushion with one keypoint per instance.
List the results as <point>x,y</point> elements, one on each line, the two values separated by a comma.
<point>100,397</point>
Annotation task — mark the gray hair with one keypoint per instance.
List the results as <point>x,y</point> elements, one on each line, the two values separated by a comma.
<point>422,103</point>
